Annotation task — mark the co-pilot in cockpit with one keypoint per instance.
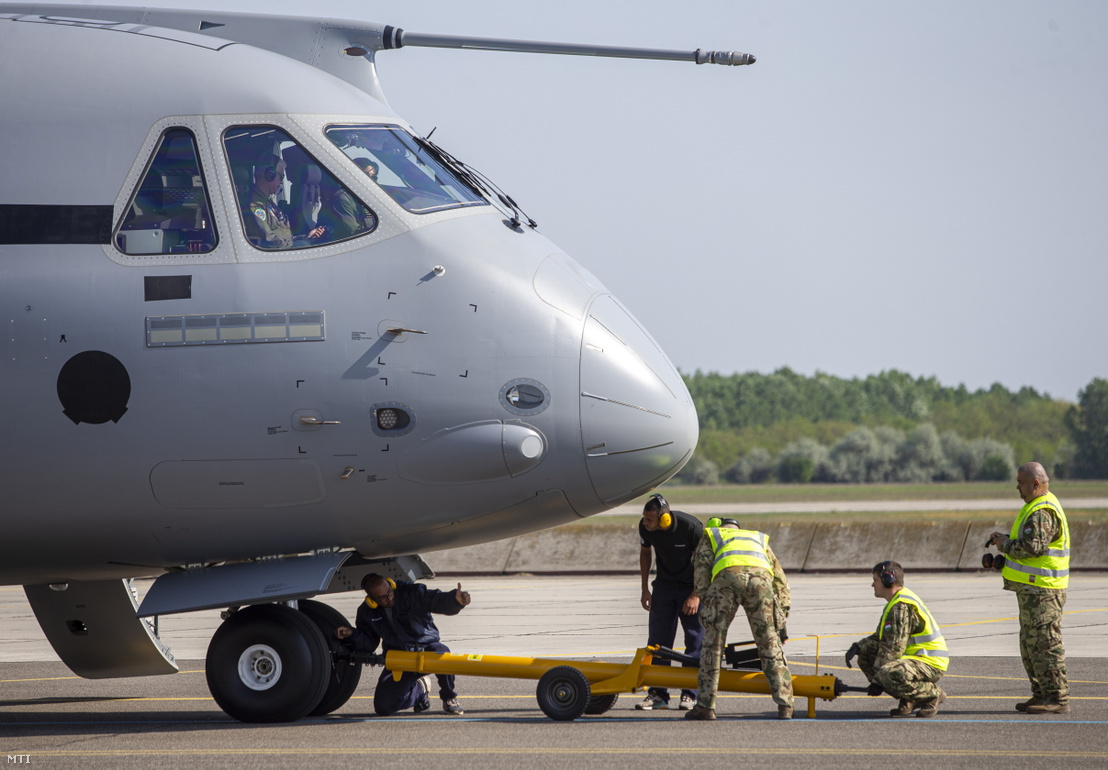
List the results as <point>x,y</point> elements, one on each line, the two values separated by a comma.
<point>404,167</point>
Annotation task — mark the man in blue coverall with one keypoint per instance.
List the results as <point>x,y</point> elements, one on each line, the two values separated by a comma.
<point>398,617</point>
<point>673,536</point>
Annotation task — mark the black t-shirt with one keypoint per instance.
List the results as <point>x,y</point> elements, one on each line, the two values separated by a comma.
<point>674,547</point>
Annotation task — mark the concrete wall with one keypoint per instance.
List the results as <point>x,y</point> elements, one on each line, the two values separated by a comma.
<point>808,546</point>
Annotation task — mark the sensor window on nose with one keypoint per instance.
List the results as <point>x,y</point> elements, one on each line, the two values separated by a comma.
<point>524,397</point>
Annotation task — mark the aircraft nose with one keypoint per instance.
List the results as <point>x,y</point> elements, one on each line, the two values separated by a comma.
<point>638,421</point>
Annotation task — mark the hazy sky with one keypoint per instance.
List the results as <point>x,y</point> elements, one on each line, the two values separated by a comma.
<point>892,185</point>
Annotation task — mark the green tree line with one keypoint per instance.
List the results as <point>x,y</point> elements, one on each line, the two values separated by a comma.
<point>895,426</point>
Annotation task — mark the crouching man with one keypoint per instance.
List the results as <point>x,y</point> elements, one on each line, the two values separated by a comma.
<point>398,617</point>
<point>907,654</point>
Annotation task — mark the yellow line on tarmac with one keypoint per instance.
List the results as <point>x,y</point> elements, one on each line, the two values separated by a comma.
<point>60,678</point>
<point>949,676</point>
<point>592,750</point>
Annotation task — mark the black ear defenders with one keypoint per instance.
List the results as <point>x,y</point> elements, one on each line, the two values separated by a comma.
<point>372,604</point>
<point>887,576</point>
<point>665,520</point>
<point>270,173</point>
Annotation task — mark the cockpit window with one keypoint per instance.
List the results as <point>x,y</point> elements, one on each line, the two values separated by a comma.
<point>404,168</point>
<point>288,200</point>
<point>169,212</point>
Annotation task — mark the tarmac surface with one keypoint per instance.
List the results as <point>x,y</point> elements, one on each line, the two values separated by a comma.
<point>48,717</point>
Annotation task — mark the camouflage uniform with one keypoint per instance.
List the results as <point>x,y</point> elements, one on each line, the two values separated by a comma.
<point>1044,656</point>
<point>882,659</point>
<point>266,225</point>
<point>343,216</point>
<point>764,596</point>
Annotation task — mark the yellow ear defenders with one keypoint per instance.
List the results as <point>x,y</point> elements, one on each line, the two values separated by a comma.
<point>665,519</point>
<point>715,521</point>
<point>372,604</point>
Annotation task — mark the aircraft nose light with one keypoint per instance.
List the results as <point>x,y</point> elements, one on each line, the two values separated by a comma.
<point>638,422</point>
<point>474,452</point>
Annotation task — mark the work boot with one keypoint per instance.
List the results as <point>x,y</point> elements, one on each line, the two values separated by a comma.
<point>1049,707</point>
<point>784,712</point>
<point>1022,706</point>
<point>930,708</point>
<point>905,709</point>
<point>700,712</point>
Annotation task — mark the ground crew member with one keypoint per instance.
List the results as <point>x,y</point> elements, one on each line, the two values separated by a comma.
<point>907,654</point>
<point>397,616</point>
<point>1037,568</point>
<point>733,567</point>
<point>674,536</point>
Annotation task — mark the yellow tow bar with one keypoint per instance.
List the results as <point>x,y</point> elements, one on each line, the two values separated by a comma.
<point>569,689</point>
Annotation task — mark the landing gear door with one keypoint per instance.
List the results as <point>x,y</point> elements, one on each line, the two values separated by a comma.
<point>93,628</point>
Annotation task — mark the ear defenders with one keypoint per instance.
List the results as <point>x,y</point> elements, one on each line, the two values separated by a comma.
<point>716,521</point>
<point>372,604</point>
<point>270,173</point>
<point>887,576</point>
<point>665,520</point>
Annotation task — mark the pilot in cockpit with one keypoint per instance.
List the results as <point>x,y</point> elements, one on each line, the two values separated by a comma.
<point>267,226</point>
<point>368,166</point>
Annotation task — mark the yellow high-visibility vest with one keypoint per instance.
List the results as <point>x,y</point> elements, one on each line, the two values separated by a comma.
<point>1052,569</point>
<point>928,645</point>
<point>738,548</point>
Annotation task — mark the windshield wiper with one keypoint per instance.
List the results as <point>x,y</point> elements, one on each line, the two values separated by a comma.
<point>479,183</point>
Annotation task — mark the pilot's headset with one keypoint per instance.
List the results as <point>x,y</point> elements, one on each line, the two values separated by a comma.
<point>665,520</point>
<point>268,164</point>
<point>368,599</point>
<point>886,574</point>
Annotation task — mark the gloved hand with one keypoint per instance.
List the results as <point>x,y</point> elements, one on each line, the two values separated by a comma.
<point>783,633</point>
<point>852,653</point>
<point>874,689</point>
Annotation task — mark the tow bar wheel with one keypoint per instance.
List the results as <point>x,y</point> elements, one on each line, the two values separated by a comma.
<point>563,693</point>
<point>598,704</point>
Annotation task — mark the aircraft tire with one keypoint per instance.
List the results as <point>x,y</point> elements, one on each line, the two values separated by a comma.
<point>343,678</point>
<point>563,693</point>
<point>598,704</point>
<point>267,663</point>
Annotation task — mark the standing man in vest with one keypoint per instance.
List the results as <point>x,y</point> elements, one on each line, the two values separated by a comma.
<point>674,536</point>
<point>1037,568</point>
<point>907,654</point>
<point>733,567</point>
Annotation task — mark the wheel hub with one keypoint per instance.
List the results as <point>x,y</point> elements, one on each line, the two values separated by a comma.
<point>259,667</point>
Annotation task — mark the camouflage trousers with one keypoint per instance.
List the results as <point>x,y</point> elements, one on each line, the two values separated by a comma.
<point>904,678</point>
<point>753,591</point>
<point>1044,657</point>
